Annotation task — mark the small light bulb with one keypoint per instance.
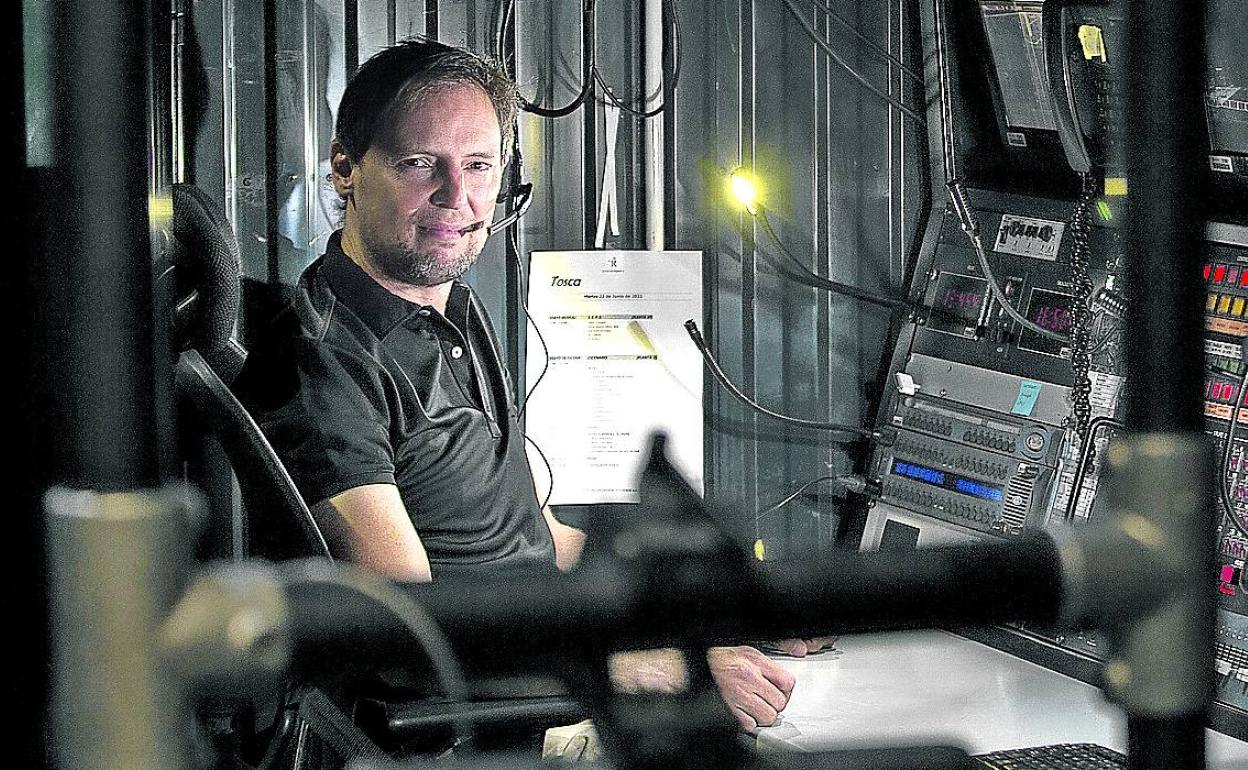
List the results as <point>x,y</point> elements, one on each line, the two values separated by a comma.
<point>743,190</point>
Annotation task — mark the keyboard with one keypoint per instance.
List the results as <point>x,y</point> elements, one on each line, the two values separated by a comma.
<point>1061,756</point>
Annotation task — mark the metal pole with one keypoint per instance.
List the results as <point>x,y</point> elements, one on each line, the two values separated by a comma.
<point>653,148</point>
<point>100,289</point>
<point>670,19</point>
<point>115,562</point>
<point>589,118</point>
<point>351,35</point>
<point>1165,143</point>
<point>1160,667</point>
<point>606,601</point>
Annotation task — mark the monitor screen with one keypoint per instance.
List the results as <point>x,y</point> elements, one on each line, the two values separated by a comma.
<point>1226,101</point>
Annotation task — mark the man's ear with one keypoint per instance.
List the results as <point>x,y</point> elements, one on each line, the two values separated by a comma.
<point>342,170</point>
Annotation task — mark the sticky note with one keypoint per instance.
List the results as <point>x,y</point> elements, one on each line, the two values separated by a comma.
<point>1093,42</point>
<point>1028,392</point>
<point>1115,186</point>
<point>760,550</point>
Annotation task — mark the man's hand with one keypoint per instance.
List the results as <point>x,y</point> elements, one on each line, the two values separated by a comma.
<point>800,648</point>
<point>755,687</point>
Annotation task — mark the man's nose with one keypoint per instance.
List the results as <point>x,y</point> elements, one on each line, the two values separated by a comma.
<point>450,193</point>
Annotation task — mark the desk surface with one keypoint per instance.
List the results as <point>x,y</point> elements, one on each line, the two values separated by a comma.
<point>932,687</point>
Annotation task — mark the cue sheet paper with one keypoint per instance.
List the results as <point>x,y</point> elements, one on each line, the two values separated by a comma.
<point>619,366</point>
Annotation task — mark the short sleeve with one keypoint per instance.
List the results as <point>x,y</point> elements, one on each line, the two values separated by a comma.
<point>333,432</point>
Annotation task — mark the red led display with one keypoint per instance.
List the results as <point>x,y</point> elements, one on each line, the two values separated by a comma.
<point>1232,275</point>
<point>1219,274</point>
<point>1208,270</point>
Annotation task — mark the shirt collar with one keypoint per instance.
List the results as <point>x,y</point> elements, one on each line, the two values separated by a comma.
<point>380,310</point>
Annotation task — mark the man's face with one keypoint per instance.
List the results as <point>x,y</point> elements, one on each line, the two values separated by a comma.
<point>423,195</point>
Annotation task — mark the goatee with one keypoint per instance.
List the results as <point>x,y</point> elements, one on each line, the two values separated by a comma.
<point>416,268</point>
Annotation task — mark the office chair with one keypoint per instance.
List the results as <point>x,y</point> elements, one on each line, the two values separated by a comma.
<point>205,274</point>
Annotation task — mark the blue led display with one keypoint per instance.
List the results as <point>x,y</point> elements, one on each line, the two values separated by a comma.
<point>978,490</point>
<point>912,471</point>
<point>950,481</point>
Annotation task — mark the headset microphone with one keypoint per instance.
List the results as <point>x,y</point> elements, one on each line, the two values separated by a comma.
<point>523,196</point>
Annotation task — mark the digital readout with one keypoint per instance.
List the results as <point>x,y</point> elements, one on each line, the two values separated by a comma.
<point>957,303</point>
<point>947,480</point>
<point>1052,311</point>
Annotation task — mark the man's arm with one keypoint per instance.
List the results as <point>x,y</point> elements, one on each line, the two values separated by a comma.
<point>371,523</point>
<point>569,541</point>
<point>755,688</point>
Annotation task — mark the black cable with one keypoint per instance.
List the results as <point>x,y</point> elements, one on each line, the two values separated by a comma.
<point>609,95</point>
<point>610,98</point>
<point>284,723</point>
<point>1080,307</point>
<point>589,14</point>
<point>524,303</point>
<point>962,205</point>
<point>791,497</point>
<point>722,379</point>
<point>827,9</point>
<point>1081,467</point>
<point>819,41</point>
<point>550,474</point>
<point>814,280</point>
<point>1224,491</point>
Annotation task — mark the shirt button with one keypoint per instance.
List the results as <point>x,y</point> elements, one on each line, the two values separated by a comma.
<point>423,312</point>
<point>457,352</point>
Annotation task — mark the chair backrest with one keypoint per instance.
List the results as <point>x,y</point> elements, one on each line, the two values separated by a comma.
<point>205,275</point>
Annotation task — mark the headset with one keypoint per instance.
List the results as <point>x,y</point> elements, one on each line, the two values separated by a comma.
<point>520,193</point>
<point>521,196</point>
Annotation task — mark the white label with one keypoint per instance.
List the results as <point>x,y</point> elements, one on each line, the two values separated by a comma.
<point>1223,349</point>
<point>1016,138</point>
<point>1221,163</point>
<point>1028,237</point>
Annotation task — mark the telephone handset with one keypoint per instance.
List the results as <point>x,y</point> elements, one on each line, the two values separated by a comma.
<point>1065,46</point>
<point>1054,23</point>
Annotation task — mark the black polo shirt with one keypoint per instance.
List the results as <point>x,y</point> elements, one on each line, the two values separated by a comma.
<point>379,390</point>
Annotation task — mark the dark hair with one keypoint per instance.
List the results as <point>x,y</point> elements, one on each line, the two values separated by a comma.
<point>402,73</point>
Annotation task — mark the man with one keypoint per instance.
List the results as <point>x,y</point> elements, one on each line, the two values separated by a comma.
<point>401,425</point>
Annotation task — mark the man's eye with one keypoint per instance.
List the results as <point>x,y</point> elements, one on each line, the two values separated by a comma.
<point>415,163</point>
<point>480,166</point>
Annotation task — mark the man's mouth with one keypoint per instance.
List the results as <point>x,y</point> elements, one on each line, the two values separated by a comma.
<point>449,232</point>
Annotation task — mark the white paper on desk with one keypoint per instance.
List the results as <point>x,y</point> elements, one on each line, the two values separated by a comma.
<point>620,367</point>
